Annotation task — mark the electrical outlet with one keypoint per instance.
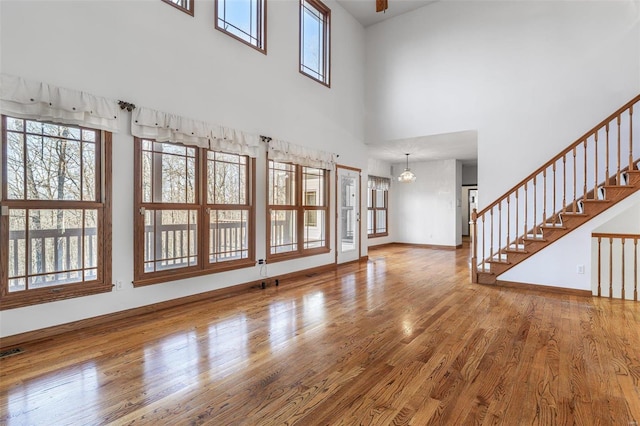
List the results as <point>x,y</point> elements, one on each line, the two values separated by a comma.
<point>579,269</point>
<point>261,261</point>
<point>119,285</point>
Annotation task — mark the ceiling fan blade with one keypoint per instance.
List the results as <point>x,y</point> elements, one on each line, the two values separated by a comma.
<point>382,5</point>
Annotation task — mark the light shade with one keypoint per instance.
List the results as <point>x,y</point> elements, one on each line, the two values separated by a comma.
<point>407,176</point>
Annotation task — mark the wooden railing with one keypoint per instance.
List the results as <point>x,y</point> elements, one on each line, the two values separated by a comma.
<point>580,172</point>
<point>177,244</point>
<point>52,253</point>
<point>617,265</point>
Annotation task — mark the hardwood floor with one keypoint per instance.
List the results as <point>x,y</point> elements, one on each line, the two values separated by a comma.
<point>402,339</point>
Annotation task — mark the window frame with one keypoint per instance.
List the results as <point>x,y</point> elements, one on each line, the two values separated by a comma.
<point>261,45</point>
<point>323,10</point>
<point>201,206</point>
<point>301,209</point>
<point>374,209</point>
<point>189,10</point>
<point>103,205</point>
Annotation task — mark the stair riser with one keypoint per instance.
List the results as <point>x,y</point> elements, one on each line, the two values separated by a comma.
<point>592,208</point>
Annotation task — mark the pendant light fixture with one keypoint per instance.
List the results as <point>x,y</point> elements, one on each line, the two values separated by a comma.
<point>407,176</point>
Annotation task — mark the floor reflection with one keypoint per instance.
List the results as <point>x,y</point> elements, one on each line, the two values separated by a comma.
<point>228,346</point>
<point>175,356</point>
<point>65,396</point>
<point>282,324</point>
<point>314,308</point>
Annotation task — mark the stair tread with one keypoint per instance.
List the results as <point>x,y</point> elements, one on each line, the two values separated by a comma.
<point>516,251</point>
<point>618,186</point>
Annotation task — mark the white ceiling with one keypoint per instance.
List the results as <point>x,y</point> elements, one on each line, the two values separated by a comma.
<point>461,146</point>
<point>365,10</point>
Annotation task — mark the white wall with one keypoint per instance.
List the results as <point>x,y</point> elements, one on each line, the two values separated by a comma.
<point>627,222</point>
<point>556,266</point>
<point>530,76</point>
<point>426,211</point>
<point>153,55</point>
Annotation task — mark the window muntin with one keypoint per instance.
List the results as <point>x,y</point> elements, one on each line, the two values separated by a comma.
<point>185,234</point>
<point>184,5</point>
<point>55,232</point>
<point>315,43</point>
<point>298,210</point>
<point>244,20</point>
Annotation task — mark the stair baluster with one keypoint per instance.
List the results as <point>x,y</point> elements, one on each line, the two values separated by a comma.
<point>550,220</point>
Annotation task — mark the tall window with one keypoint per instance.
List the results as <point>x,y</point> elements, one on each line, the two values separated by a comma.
<point>315,45</point>
<point>184,5</point>
<point>194,211</point>
<point>298,210</point>
<point>244,20</point>
<point>377,206</point>
<point>55,223</point>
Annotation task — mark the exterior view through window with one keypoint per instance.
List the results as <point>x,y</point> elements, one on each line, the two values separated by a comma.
<point>298,206</point>
<point>244,20</point>
<point>52,196</point>
<point>315,40</point>
<point>181,232</point>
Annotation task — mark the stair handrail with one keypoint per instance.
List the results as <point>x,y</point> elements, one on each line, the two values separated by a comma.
<point>564,152</point>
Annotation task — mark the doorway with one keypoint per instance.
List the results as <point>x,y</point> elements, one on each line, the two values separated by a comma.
<point>347,214</point>
<point>469,202</point>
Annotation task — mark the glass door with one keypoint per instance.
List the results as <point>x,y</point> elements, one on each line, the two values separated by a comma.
<point>348,221</point>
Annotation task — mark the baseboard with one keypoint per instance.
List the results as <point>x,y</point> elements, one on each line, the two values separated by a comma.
<point>223,293</point>
<point>430,246</point>
<point>543,288</point>
<point>380,246</point>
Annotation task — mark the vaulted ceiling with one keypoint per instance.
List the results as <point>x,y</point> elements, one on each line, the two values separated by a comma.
<point>365,10</point>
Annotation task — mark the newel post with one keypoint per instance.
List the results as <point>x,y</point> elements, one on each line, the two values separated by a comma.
<point>474,246</point>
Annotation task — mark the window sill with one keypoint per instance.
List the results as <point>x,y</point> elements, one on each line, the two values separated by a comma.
<point>386,234</point>
<point>178,274</point>
<point>52,294</point>
<point>297,255</point>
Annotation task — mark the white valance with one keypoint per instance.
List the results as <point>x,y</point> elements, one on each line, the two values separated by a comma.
<point>379,183</point>
<point>279,150</point>
<point>41,101</point>
<point>166,127</point>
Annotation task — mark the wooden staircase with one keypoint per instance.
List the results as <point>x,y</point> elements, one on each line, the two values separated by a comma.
<point>594,173</point>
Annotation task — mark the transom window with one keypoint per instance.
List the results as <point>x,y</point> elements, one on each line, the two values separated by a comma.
<point>54,239</point>
<point>244,20</point>
<point>195,211</point>
<point>297,223</point>
<point>315,43</point>
<point>184,5</point>
<point>377,206</point>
